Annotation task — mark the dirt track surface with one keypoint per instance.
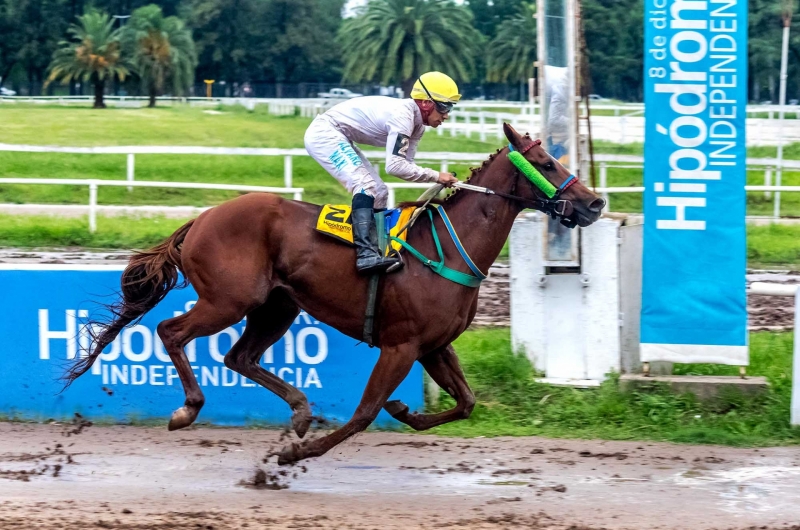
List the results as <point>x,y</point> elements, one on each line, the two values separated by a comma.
<point>148,478</point>
<point>775,313</point>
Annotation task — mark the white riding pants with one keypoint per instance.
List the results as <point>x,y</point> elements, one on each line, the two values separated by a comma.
<point>344,161</point>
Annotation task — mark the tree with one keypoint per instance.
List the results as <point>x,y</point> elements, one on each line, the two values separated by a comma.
<point>296,40</point>
<point>395,41</point>
<point>92,56</point>
<point>161,51</point>
<point>491,15</point>
<point>512,52</point>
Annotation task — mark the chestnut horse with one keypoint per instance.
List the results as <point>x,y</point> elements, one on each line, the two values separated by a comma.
<point>259,256</point>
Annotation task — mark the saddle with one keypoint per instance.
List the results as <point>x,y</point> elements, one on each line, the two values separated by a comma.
<point>334,221</point>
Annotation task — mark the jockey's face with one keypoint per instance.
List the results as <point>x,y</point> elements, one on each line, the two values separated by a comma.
<point>436,118</point>
<point>430,115</point>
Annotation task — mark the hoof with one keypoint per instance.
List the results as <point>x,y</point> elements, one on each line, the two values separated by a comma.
<point>289,455</point>
<point>301,421</point>
<point>183,417</point>
<point>396,408</point>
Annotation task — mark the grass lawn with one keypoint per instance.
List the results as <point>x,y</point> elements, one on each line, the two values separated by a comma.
<point>234,126</point>
<point>510,402</point>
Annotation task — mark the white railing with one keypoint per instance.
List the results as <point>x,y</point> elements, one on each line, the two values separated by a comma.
<point>94,184</point>
<point>773,289</point>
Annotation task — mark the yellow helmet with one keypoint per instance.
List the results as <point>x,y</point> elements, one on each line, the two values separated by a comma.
<point>436,86</point>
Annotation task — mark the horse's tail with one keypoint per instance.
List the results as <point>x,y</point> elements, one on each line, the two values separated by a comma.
<point>147,279</point>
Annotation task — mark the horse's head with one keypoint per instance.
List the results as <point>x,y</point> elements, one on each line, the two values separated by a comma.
<point>582,206</point>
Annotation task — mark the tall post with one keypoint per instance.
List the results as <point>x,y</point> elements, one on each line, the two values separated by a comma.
<point>788,8</point>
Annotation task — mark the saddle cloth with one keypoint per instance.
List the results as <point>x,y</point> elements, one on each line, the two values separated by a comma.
<point>334,220</point>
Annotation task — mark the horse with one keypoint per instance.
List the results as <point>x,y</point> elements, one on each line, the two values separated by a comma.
<point>259,256</point>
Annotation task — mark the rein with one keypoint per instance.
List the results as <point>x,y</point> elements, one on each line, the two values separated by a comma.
<point>551,205</point>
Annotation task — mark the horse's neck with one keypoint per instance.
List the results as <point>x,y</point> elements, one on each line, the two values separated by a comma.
<point>482,221</point>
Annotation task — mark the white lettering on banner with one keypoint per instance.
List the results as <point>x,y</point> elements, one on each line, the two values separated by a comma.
<point>699,74</point>
<point>46,334</point>
<point>138,345</point>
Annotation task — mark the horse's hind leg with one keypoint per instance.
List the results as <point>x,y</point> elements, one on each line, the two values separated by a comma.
<point>202,320</point>
<point>392,367</point>
<point>443,367</point>
<point>265,326</point>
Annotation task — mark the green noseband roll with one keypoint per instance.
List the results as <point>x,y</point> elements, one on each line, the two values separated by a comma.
<point>534,176</point>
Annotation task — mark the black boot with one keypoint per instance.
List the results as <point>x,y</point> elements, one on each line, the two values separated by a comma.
<point>365,237</point>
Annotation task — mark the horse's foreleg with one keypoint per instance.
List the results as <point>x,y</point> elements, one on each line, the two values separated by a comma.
<point>442,365</point>
<point>265,326</point>
<point>203,319</point>
<point>392,367</point>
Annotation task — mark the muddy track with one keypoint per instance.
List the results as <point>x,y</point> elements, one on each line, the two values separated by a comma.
<point>147,478</point>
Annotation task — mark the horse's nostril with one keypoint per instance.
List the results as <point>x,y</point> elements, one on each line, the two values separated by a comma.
<point>597,205</point>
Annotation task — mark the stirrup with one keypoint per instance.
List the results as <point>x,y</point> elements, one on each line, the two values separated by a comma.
<point>394,254</point>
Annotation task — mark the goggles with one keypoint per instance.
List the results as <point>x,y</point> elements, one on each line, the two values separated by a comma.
<point>441,106</point>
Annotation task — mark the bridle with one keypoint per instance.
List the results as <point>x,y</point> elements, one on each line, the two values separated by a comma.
<point>550,204</point>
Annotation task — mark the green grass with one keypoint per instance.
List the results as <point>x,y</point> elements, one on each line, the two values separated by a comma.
<point>235,127</point>
<point>510,402</point>
<point>112,232</point>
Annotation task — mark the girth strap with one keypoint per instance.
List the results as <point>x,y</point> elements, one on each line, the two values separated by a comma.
<point>438,266</point>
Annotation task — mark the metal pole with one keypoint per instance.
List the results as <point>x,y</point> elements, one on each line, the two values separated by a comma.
<point>784,56</point>
<point>572,57</point>
<point>130,170</point>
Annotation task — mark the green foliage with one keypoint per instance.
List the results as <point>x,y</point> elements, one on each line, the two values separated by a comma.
<point>512,52</point>
<point>112,232</point>
<point>511,402</point>
<point>161,51</point>
<point>271,40</point>
<point>395,41</point>
<point>93,54</point>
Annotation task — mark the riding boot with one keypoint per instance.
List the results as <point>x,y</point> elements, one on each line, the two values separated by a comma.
<point>365,237</point>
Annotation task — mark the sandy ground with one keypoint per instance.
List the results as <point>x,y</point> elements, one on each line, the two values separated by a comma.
<point>52,476</point>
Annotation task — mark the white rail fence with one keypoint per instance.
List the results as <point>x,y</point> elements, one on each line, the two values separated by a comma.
<point>773,289</point>
<point>604,162</point>
<point>94,184</point>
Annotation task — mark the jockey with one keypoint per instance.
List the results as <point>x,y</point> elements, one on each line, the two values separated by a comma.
<point>397,125</point>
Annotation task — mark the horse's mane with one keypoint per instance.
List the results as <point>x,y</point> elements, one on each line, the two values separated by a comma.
<point>473,171</point>
<point>454,194</point>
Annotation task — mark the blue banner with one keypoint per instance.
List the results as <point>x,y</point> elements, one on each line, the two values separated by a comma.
<point>693,291</point>
<point>43,319</point>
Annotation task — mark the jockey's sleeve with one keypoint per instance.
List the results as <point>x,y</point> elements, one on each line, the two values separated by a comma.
<point>400,151</point>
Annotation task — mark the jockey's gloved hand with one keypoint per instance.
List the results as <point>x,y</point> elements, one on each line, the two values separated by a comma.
<point>447,179</point>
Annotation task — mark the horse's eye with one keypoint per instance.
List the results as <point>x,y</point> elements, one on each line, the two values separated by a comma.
<point>549,166</point>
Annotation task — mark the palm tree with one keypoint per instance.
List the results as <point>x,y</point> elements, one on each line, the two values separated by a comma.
<point>162,51</point>
<point>395,41</point>
<point>93,55</point>
<point>512,52</point>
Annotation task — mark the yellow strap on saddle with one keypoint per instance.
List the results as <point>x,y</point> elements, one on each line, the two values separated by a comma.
<point>334,220</point>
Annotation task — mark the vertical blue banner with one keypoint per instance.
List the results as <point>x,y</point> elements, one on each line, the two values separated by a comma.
<point>694,259</point>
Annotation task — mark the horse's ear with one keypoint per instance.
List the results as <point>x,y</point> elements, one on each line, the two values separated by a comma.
<point>512,135</point>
